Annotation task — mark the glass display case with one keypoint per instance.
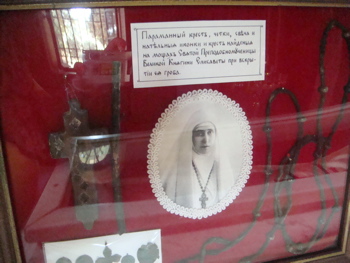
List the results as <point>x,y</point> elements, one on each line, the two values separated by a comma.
<point>174,131</point>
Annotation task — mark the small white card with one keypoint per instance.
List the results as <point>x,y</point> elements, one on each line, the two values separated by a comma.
<point>141,247</point>
<point>197,52</point>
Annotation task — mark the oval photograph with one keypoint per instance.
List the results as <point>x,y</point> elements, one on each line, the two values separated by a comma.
<point>200,154</point>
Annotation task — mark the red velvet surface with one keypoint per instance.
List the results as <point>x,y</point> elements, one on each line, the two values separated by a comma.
<point>33,101</point>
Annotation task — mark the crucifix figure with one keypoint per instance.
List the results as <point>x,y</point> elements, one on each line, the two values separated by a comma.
<point>81,159</point>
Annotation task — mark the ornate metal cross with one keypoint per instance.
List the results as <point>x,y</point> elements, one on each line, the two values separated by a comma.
<point>64,145</point>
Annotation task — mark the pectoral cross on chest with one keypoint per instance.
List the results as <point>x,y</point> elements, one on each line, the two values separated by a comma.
<point>81,160</point>
<point>203,199</point>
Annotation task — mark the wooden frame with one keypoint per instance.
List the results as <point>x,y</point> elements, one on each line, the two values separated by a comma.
<point>9,249</point>
<point>43,4</point>
<point>9,246</point>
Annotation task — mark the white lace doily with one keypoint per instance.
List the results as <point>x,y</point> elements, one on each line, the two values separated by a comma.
<point>170,123</point>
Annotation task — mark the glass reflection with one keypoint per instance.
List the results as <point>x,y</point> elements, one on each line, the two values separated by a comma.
<point>81,29</point>
<point>94,155</point>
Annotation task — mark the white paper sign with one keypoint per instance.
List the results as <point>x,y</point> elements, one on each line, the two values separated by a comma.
<point>138,247</point>
<point>181,53</point>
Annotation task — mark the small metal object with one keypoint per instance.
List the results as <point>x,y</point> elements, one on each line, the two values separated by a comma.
<point>323,89</point>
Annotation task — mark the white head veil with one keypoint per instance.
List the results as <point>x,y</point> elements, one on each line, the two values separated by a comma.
<point>175,174</point>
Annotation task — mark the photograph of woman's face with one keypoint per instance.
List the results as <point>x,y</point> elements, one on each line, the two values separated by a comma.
<point>203,138</point>
<point>200,154</point>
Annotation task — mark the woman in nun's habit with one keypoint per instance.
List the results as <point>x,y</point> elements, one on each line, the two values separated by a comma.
<point>197,174</point>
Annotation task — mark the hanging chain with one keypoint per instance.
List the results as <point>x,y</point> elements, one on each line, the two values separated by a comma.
<point>286,170</point>
<point>203,197</point>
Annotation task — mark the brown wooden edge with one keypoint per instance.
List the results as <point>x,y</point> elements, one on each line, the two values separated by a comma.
<point>45,4</point>
<point>9,249</point>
